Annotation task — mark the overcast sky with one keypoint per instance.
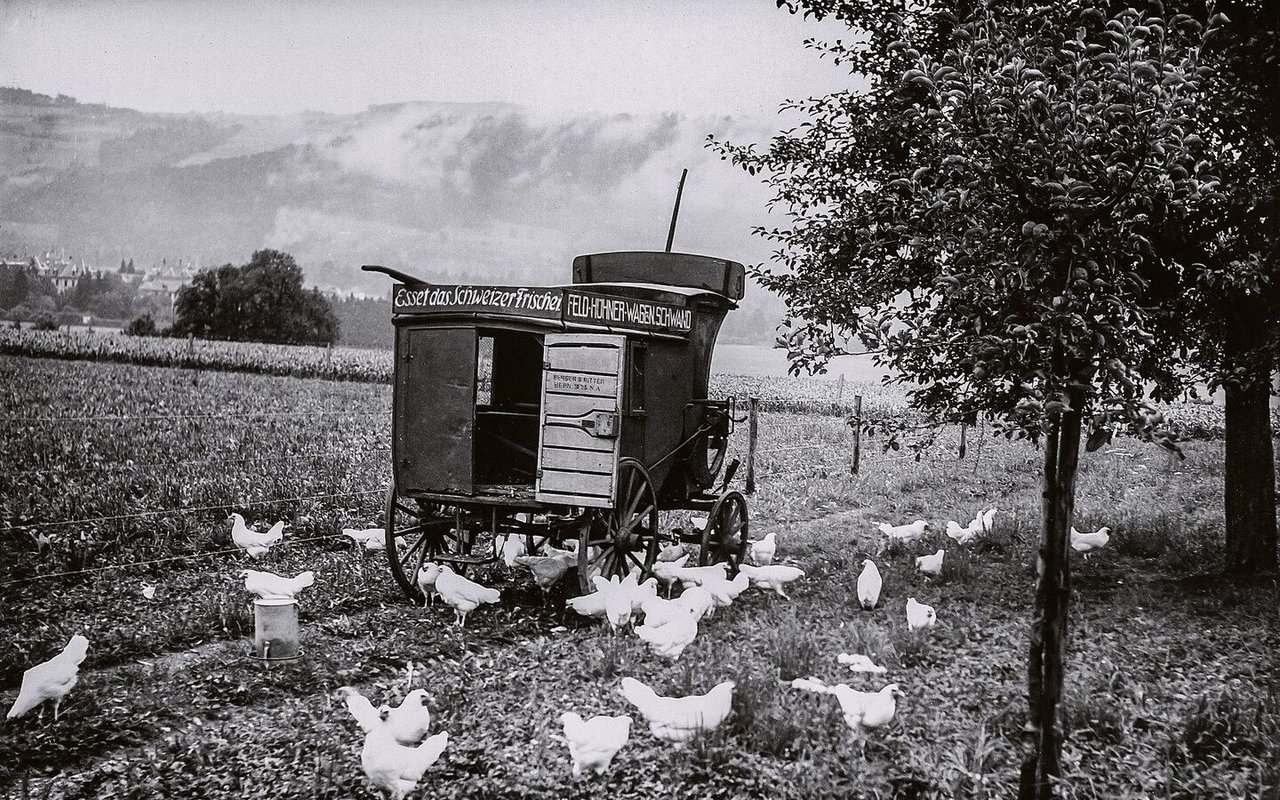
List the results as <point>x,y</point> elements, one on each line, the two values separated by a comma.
<point>256,56</point>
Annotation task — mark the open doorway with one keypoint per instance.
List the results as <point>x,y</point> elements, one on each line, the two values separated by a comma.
<point>508,388</point>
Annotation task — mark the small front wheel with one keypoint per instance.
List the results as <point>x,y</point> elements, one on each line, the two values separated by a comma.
<point>725,537</point>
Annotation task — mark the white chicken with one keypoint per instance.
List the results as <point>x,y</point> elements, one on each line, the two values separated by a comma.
<point>394,767</point>
<point>365,714</point>
<point>984,521</point>
<point>410,720</point>
<point>725,591</point>
<point>762,552</point>
<point>1088,542</point>
<point>670,638</point>
<point>426,580</point>
<point>869,584</point>
<point>149,591</point>
<point>513,546</point>
<point>268,584</point>
<point>772,576</point>
<point>463,595</point>
<point>962,536</point>
<point>920,615</point>
<point>252,542</point>
<point>860,663</point>
<point>51,680</point>
<point>593,743</point>
<point>679,719</point>
<point>368,538</point>
<point>658,612</point>
<point>668,571</point>
<point>862,710</point>
<point>932,564</point>
<point>904,534</point>
<point>588,605</point>
<point>638,592</point>
<point>697,600</point>
<point>548,570</point>
<point>617,601</point>
<point>695,576</point>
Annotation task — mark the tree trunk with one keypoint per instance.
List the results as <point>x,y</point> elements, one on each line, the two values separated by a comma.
<point>1047,658</point>
<point>1249,470</point>
<point>1249,479</point>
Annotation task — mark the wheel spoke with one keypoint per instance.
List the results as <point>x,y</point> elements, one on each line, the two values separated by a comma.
<point>404,559</point>
<point>409,530</point>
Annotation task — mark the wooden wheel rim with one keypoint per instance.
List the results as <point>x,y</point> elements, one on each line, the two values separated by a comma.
<point>622,532</point>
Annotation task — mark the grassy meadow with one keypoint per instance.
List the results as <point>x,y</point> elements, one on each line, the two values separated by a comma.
<point>1173,684</point>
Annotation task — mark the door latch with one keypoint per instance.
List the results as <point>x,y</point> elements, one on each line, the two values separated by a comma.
<point>601,424</point>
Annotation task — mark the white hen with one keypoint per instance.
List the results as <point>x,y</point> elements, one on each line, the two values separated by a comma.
<point>668,571</point>
<point>903,533</point>
<point>861,710</point>
<point>368,538</point>
<point>1088,542</point>
<point>593,743</point>
<point>869,584</point>
<point>920,615</point>
<point>671,637</point>
<point>931,565</point>
<point>772,576</point>
<point>617,602</point>
<point>658,612</point>
<point>679,719</point>
<point>463,595</point>
<point>697,600</point>
<point>394,767</point>
<point>962,536</point>
<point>365,714</point>
<point>252,542</point>
<point>513,546</point>
<point>696,576</point>
<point>725,591</point>
<point>426,580</point>
<point>268,584</point>
<point>410,720</point>
<point>860,663</point>
<point>51,680</point>
<point>762,552</point>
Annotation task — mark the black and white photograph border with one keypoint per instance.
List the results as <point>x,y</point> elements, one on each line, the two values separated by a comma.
<point>740,399</point>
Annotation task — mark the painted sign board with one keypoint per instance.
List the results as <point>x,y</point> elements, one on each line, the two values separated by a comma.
<point>570,305</point>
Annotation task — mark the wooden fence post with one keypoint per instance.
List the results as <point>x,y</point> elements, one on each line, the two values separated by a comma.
<point>857,434</point>
<point>840,387</point>
<point>963,428</point>
<point>752,432</point>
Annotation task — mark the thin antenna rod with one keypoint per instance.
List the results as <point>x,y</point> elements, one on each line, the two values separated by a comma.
<point>675,212</point>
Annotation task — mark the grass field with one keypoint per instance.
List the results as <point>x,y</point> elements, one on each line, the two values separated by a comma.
<point>1171,691</point>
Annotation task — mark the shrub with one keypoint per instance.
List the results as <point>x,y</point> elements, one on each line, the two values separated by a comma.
<point>144,325</point>
<point>44,323</point>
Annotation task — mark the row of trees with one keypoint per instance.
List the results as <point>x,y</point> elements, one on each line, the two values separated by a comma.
<point>26,295</point>
<point>1037,211</point>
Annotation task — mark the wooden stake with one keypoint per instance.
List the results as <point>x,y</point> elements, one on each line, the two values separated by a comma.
<point>963,429</point>
<point>752,433</point>
<point>857,435</point>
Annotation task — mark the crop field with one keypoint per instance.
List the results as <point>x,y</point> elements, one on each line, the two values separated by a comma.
<point>117,476</point>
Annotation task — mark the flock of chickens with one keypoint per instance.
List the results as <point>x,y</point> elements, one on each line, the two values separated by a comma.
<point>397,749</point>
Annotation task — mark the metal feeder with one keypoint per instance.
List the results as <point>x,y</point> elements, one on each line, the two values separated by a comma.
<point>275,630</point>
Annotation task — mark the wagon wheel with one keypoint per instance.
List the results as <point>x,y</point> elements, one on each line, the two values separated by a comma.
<point>725,536</point>
<point>625,536</point>
<point>420,534</point>
<point>707,451</point>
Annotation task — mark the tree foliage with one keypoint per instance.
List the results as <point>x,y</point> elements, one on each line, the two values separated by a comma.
<point>983,217</point>
<point>261,301</point>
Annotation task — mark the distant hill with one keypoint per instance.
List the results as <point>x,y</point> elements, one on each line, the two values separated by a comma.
<point>487,192</point>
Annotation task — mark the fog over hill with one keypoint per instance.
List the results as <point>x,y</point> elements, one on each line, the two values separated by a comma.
<point>489,191</point>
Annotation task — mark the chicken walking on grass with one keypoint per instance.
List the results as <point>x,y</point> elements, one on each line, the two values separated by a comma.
<point>594,742</point>
<point>51,680</point>
<point>254,543</point>
<point>395,768</point>
<point>869,585</point>
<point>773,576</point>
<point>463,595</point>
<point>679,719</point>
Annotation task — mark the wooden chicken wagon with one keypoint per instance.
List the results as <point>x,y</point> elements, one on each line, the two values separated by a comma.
<point>563,412</point>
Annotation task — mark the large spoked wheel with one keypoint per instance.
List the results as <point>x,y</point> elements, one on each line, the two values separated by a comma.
<point>416,533</point>
<point>614,541</point>
<point>724,539</point>
<point>707,451</point>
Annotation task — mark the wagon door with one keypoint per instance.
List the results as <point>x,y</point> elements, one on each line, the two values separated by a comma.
<point>578,441</point>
